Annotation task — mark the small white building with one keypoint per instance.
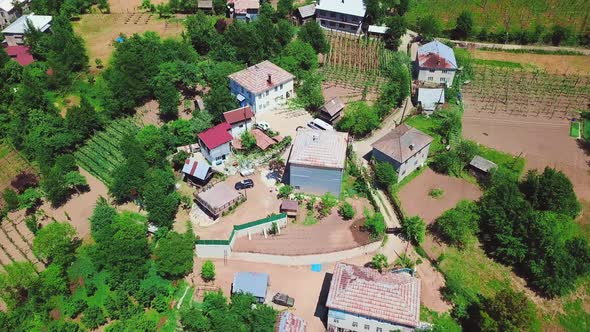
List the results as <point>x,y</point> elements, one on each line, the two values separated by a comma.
<point>362,299</point>
<point>15,33</point>
<point>404,147</point>
<point>436,63</point>
<point>264,86</point>
<point>430,99</point>
<point>216,143</point>
<point>240,120</point>
<point>9,12</point>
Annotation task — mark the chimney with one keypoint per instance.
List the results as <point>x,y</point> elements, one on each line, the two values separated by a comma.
<point>269,80</point>
<point>411,147</point>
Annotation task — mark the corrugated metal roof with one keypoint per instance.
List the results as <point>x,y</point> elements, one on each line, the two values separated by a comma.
<point>256,78</point>
<point>216,136</point>
<point>350,7</point>
<point>319,148</point>
<point>8,5</point>
<point>205,4</point>
<point>380,29</point>
<point>195,168</point>
<point>288,322</point>
<point>436,55</point>
<point>332,107</point>
<point>40,22</point>
<point>393,297</point>
<point>402,143</point>
<point>242,6</point>
<point>429,98</point>
<point>482,164</point>
<point>251,282</point>
<point>307,11</point>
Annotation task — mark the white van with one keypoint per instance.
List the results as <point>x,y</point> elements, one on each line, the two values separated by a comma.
<point>320,124</point>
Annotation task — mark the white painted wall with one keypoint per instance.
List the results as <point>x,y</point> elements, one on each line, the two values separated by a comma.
<point>417,160</point>
<point>239,128</point>
<point>216,154</point>
<point>267,100</point>
<point>352,322</point>
<point>436,76</point>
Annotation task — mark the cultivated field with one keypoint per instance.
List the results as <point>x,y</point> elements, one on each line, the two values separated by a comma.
<point>499,14</point>
<point>552,63</point>
<point>11,164</point>
<point>101,154</point>
<point>16,241</point>
<point>526,93</point>
<point>125,6</point>
<point>356,62</point>
<point>99,31</point>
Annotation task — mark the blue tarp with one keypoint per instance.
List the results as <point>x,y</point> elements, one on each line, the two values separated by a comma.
<point>120,40</point>
<point>316,267</point>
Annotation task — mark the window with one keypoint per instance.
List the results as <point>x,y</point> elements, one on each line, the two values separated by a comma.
<point>281,87</point>
<point>241,125</point>
<point>430,78</point>
<point>444,71</point>
<point>416,162</point>
<point>443,79</point>
<point>332,24</point>
<point>379,329</point>
<point>267,93</point>
<point>276,88</point>
<point>340,25</point>
<point>336,320</point>
<point>367,327</point>
<point>332,14</point>
<point>355,324</point>
<point>432,70</point>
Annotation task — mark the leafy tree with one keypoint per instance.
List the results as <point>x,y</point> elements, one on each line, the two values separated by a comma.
<point>127,178</point>
<point>200,32</point>
<point>375,224</point>
<point>359,119</point>
<point>298,58</point>
<point>507,311</point>
<point>385,175</point>
<point>168,98</point>
<point>328,201</point>
<point>450,124</point>
<point>466,150</point>
<point>29,199</point>
<point>16,283</point>
<point>310,92</point>
<point>75,180</point>
<point>56,243</point>
<point>396,28</point>
<point>192,319</point>
<point>83,119</point>
<point>379,262</point>
<point>174,254</point>
<point>219,6</point>
<point>550,191</point>
<point>464,26</point>
<point>375,11</point>
<point>54,185</point>
<point>154,142</point>
<point>397,89</point>
<point>459,224</point>
<point>159,196</point>
<point>93,317</point>
<point>285,191</point>
<point>312,33</point>
<point>179,159</point>
<point>284,8</point>
<point>208,271</point>
<point>10,198</point>
<point>75,307</point>
<point>53,282</point>
<point>429,26</point>
<point>346,211</point>
<point>402,7</point>
<point>449,163</point>
<point>559,33</point>
<point>248,141</point>
<point>219,100</point>
<point>414,229</point>
<point>101,221</point>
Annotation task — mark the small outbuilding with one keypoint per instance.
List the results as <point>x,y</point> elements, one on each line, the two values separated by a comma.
<point>430,99</point>
<point>197,172</point>
<point>15,33</point>
<point>205,5</point>
<point>332,110</point>
<point>306,13</point>
<point>253,283</point>
<point>218,198</point>
<point>481,167</point>
<point>290,207</point>
<point>377,30</point>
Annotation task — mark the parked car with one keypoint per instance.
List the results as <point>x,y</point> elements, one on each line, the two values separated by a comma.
<point>244,184</point>
<point>320,124</point>
<point>262,125</point>
<point>283,299</point>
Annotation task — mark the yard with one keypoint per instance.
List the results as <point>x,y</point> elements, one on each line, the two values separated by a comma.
<point>575,129</point>
<point>554,64</point>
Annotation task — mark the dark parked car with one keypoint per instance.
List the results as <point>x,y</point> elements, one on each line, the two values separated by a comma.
<point>283,299</point>
<point>244,184</point>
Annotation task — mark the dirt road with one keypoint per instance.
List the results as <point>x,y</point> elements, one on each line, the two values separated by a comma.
<point>522,47</point>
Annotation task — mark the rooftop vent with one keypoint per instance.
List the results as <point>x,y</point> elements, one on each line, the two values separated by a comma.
<point>411,147</point>
<point>269,79</point>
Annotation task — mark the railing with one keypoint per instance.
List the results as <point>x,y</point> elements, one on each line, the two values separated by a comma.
<point>241,228</point>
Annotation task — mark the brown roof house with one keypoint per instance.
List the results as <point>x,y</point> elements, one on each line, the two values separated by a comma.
<point>316,162</point>
<point>332,110</point>
<point>264,86</point>
<point>404,147</point>
<point>362,299</point>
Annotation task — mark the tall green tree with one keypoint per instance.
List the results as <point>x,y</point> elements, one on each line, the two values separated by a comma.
<point>55,243</point>
<point>83,119</point>
<point>174,254</point>
<point>312,33</point>
<point>66,53</point>
<point>550,191</point>
<point>16,283</point>
<point>414,229</point>
<point>218,101</point>
<point>464,27</point>
<point>507,311</point>
<point>102,220</point>
<point>128,176</point>
<point>160,198</point>
<point>396,28</point>
<point>200,32</point>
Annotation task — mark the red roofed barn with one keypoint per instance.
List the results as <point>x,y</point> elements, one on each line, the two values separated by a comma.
<point>264,86</point>
<point>240,120</point>
<point>362,299</point>
<point>215,143</point>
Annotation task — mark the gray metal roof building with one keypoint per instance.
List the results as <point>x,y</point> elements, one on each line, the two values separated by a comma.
<point>251,283</point>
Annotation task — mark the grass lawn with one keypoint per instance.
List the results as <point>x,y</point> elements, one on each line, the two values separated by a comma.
<point>586,130</point>
<point>428,125</point>
<point>502,159</point>
<point>498,63</point>
<point>575,129</point>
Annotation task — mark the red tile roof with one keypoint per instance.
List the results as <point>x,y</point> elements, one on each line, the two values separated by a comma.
<point>288,322</point>
<point>20,54</point>
<point>262,140</point>
<point>393,297</point>
<point>255,78</point>
<point>216,136</point>
<point>238,115</point>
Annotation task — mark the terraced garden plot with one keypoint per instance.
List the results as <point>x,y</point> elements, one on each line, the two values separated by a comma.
<point>11,164</point>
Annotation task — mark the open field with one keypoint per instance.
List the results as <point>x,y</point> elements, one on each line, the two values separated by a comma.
<point>101,153</point>
<point>416,201</point>
<point>125,6</point>
<point>497,14</point>
<point>525,93</point>
<point>11,164</point>
<point>99,31</point>
<point>553,64</point>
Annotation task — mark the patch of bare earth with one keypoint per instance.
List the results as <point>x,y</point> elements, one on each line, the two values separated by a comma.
<point>555,64</point>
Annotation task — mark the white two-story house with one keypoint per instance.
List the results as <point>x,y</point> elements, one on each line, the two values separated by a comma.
<point>216,143</point>
<point>342,15</point>
<point>404,147</point>
<point>362,299</point>
<point>436,63</point>
<point>264,86</point>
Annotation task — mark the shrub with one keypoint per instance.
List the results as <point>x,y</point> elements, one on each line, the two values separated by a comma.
<point>32,224</point>
<point>359,119</point>
<point>385,175</point>
<point>10,198</point>
<point>285,191</point>
<point>208,271</point>
<point>375,224</point>
<point>328,201</point>
<point>248,141</point>
<point>346,211</point>
<point>436,193</point>
<point>179,159</point>
<point>160,303</point>
<point>459,225</point>
<point>414,229</point>
<point>75,307</point>
<point>405,261</point>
